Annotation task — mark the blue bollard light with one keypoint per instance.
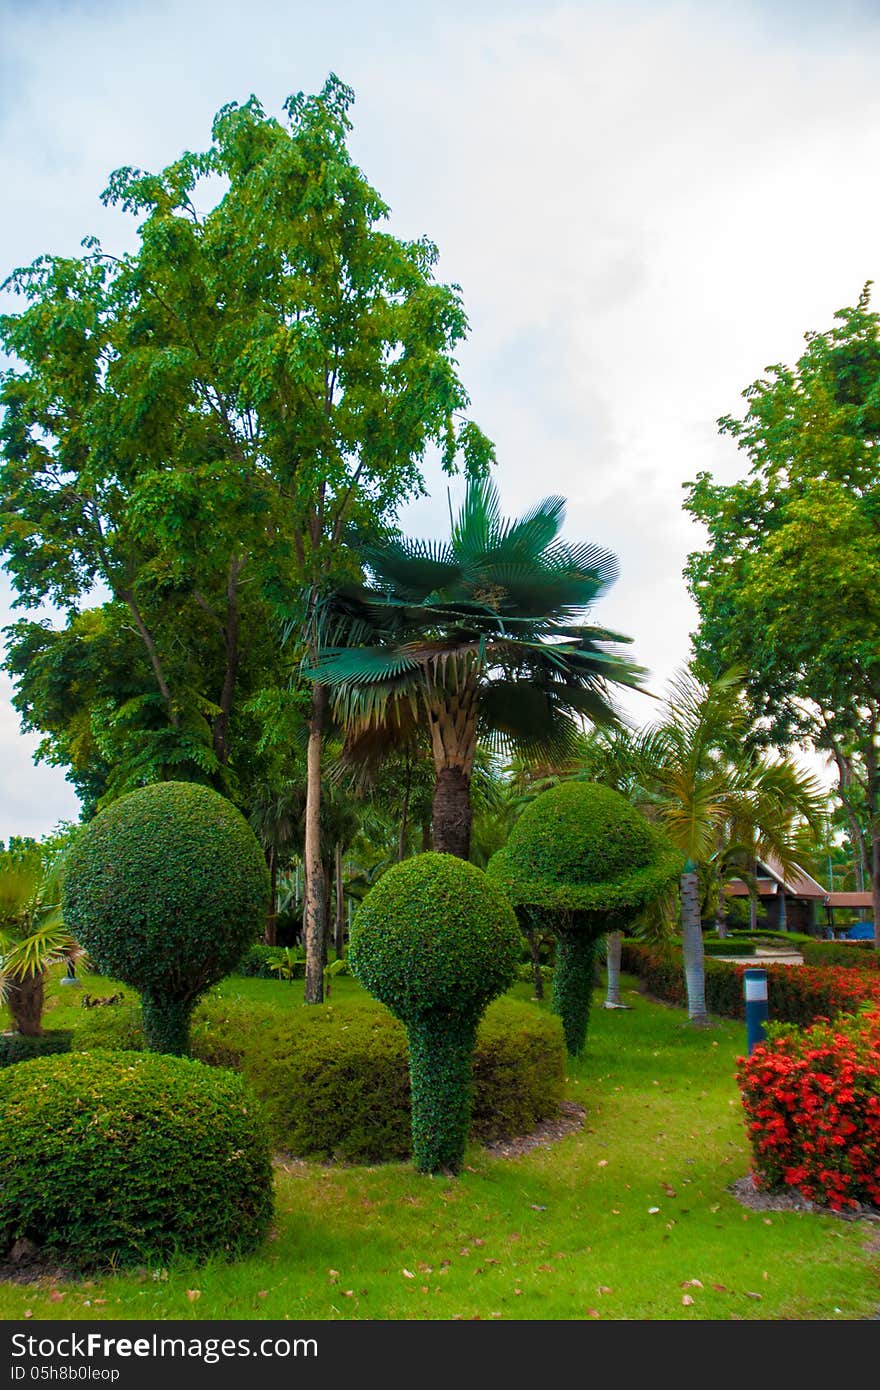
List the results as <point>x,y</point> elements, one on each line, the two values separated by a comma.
<point>755,984</point>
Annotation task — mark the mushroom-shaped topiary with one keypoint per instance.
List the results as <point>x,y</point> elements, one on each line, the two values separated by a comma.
<point>435,943</point>
<point>583,862</point>
<point>166,889</point>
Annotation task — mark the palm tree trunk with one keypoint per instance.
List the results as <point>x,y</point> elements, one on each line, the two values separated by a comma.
<point>452,813</point>
<point>313,892</point>
<point>452,716</point>
<point>612,957</point>
<point>692,945</point>
<point>25,1002</point>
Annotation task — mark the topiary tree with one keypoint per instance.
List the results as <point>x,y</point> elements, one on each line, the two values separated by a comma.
<point>128,1158</point>
<point>166,889</point>
<point>581,862</point>
<point>435,943</point>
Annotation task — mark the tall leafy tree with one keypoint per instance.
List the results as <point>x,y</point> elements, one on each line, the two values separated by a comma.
<point>199,425</point>
<point>482,636</point>
<point>788,583</point>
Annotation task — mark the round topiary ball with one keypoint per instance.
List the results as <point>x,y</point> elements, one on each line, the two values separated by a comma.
<point>131,1158</point>
<point>166,889</point>
<point>435,943</point>
<point>433,934</point>
<point>581,861</point>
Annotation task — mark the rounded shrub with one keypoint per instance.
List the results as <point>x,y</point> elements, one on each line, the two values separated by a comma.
<point>334,1082</point>
<point>129,1158</point>
<point>435,943</point>
<point>166,889</point>
<point>580,862</point>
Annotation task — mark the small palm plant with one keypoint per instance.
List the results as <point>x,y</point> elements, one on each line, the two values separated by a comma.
<point>482,636</point>
<point>32,933</point>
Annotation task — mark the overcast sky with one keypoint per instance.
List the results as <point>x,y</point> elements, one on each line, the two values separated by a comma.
<point>643,203</point>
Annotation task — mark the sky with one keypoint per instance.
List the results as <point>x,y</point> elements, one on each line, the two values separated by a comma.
<point>644,204</point>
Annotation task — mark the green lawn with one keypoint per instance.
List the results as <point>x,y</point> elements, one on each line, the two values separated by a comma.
<point>612,1222</point>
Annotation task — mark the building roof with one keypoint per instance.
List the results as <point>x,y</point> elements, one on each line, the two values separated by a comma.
<point>849,900</point>
<point>737,889</point>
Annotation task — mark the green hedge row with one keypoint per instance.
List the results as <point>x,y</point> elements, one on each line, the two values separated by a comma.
<point>858,953</point>
<point>796,993</point>
<point>727,946</point>
<point>335,1081</point>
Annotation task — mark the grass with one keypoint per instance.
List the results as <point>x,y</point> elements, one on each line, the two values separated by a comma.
<point>611,1222</point>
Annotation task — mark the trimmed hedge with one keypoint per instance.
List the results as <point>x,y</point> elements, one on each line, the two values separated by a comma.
<point>723,946</point>
<point>435,942</point>
<point>847,953</point>
<point>812,1101</point>
<point>581,862</point>
<point>166,889</point>
<point>334,1081</point>
<point>796,993</point>
<point>16,1047</point>
<point>123,1158</point>
<point>580,848</point>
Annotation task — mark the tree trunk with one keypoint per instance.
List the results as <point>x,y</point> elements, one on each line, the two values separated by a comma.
<point>325,933</point>
<point>612,958</point>
<point>452,718</point>
<point>404,813</point>
<point>452,813</point>
<point>692,945</point>
<point>340,904</point>
<point>25,1002</point>
<point>534,941</point>
<point>313,891</point>
<point>272,915</point>
<point>230,635</point>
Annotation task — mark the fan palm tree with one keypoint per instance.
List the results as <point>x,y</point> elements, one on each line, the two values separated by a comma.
<point>32,934</point>
<point>481,636</point>
<point>693,771</point>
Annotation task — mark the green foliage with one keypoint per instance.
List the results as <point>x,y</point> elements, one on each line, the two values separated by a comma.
<point>484,634</point>
<point>334,1081</point>
<point>166,889</point>
<point>434,936</point>
<point>580,852</point>
<point>115,1157</point>
<point>860,954</point>
<point>728,946</point>
<point>787,583</point>
<point>573,981</point>
<point>16,1047</point>
<point>581,862</point>
<point>435,942</point>
<point>199,426</point>
<point>796,994</point>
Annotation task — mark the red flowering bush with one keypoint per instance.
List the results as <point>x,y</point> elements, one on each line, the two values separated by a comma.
<point>812,1102</point>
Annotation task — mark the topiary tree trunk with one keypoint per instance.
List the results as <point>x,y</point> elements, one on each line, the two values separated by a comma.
<point>441,1050</point>
<point>166,1023</point>
<point>573,985</point>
